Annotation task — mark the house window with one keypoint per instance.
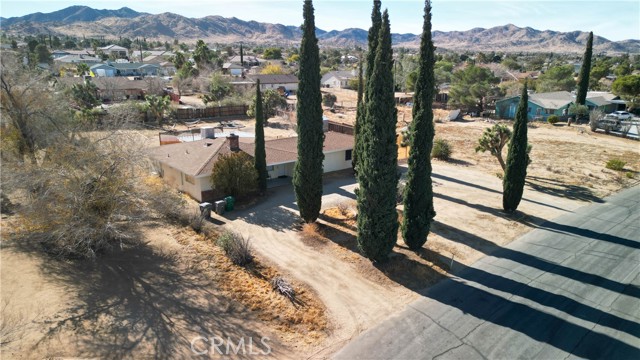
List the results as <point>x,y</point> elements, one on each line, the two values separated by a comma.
<point>270,168</point>
<point>190,179</point>
<point>347,155</point>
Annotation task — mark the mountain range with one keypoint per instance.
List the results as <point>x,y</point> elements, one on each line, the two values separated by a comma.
<point>125,22</point>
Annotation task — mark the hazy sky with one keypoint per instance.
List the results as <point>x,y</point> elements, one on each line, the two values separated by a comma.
<point>614,20</point>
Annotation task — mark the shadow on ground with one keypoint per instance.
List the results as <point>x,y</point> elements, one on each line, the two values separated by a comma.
<point>135,302</point>
<point>559,189</point>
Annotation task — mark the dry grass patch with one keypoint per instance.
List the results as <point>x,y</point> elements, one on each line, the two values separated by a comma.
<point>301,322</point>
<point>406,268</point>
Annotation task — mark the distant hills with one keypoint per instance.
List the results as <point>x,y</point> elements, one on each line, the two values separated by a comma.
<point>125,22</point>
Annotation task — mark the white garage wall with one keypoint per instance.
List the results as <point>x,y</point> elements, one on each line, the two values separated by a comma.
<point>335,161</point>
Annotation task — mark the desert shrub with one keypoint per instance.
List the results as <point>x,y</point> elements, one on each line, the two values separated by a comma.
<point>553,119</point>
<point>234,174</point>
<point>196,221</point>
<point>442,149</point>
<point>6,207</point>
<point>344,209</point>
<point>616,164</point>
<point>594,116</point>
<point>329,99</point>
<point>629,175</point>
<point>236,247</point>
<point>312,230</point>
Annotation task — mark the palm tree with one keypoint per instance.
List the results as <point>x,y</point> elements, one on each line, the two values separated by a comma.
<point>157,105</point>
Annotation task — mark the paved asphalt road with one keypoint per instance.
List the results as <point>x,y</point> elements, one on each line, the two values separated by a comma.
<point>569,289</point>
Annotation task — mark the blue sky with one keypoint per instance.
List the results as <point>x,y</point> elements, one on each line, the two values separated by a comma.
<point>614,20</point>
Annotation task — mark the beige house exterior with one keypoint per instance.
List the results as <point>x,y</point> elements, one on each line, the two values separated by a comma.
<point>187,166</point>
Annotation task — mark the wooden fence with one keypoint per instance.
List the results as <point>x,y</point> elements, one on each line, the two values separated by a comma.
<point>341,128</point>
<point>211,112</point>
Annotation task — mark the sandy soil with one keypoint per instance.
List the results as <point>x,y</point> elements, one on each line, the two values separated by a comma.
<point>148,301</point>
<point>153,299</point>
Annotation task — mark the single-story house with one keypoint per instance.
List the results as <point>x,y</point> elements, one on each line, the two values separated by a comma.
<point>543,105</point>
<point>77,59</point>
<point>187,166</point>
<point>604,101</point>
<point>249,60</point>
<point>338,79</point>
<point>115,51</point>
<point>288,81</point>
<point>232,69</point>
<point>110,69</point>
<point>135,54</point>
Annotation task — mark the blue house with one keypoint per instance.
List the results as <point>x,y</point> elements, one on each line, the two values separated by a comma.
<point>543,105</point>
<point>110,69</point>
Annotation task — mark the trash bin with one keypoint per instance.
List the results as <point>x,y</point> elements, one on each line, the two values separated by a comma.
<point>230,203</point>
<point>205,209</point>
<point>219,207</point>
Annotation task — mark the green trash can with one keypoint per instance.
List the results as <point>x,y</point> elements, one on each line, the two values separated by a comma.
<point>230,203</point>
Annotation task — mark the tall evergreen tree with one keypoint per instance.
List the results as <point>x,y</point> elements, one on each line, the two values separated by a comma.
<point>359,114</point>
<point>517,158</point>
<point>418,195</point>
<point>241,56</point>
<point>374,31</point>
<point>585,70</point>
<point>377,166</point>
<point>307,177</point>
<point>260,152</point>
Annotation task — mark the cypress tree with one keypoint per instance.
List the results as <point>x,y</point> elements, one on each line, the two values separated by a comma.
<point>307,177</point>
<point>377,164</point>
<point>241,55</point>
<point>517,158</point>
<point>585,70</point>
<point>374,31</point>
<point>260,152</point>
<point>359,114</point>
<point>418,195</point>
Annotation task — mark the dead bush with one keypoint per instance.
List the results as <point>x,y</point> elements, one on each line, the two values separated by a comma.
<point>283,287</point>
<point>345,209</point>
<point>196,221</point>
<point>236,247</point>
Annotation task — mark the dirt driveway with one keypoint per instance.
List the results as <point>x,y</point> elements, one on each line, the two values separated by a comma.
<point>354,302</point>
<point>469,224</point>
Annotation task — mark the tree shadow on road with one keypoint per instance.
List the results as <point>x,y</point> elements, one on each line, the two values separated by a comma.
<point>533,323</point>
<point>489,248</point>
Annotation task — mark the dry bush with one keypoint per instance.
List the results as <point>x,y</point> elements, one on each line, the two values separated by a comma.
<point>345,209</point>
<point>312,231</point>
<point>236,247</point>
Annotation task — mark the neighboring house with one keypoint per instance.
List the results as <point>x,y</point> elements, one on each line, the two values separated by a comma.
<point>543,105</point>
<point>540,105</point>
<point>115,51</point>
<point>135,54</point>
<point>77,59</point>
<point>288,81</point>
<point>249,60</point>
<point>167,68</point>
<point>188,166</point>
<point>604,101</point>
<point>111,69</point>
<point>232,69</point>
<point>59,53</point>
<point>338,79</point>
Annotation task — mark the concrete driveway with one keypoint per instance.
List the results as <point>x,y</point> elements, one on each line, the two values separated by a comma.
<point>569,289</point>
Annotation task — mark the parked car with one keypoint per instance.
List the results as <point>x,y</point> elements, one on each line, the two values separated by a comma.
<point>621,115</point>
<point>610,122</point>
